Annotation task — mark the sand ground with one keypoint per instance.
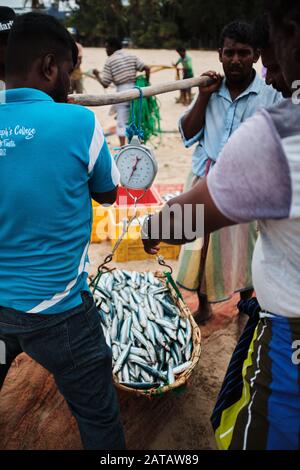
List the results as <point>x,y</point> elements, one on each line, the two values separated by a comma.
<point>27,421</point>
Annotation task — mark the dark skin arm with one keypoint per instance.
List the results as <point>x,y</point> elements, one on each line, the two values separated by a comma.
<point>98,77</point>
<point>106,198</point>
<point>147,73</point>
<point>199,194</point>
<point>194,120</point>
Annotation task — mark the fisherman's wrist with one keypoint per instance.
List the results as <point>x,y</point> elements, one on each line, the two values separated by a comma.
<point>146,228</point>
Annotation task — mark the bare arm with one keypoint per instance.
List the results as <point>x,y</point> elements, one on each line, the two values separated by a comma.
<point>147,73</point>
<point>98,77</point>
<point>106,198</point>
<point>194,120</point>
<point>199,194</point>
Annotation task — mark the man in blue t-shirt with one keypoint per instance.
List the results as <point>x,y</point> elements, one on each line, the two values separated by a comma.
<point>53,160</point>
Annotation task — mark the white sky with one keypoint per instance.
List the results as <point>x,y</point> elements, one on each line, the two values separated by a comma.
<point>20,3</point>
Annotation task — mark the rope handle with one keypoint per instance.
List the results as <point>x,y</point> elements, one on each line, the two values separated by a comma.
<point>133,129</point>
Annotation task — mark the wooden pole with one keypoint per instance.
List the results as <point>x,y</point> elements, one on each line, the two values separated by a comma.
<point>114,98</point>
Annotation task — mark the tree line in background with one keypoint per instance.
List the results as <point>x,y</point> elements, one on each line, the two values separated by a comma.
<point>159,23</point>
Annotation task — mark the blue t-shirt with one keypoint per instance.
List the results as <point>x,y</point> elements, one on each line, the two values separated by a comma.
<point>52,157</point>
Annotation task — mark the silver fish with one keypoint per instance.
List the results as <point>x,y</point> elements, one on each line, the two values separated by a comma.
<point>136,322</point>
<point>171,378</point>
<point>182,367</point>
<point>181,338</point>
<point>139,352</point>
<point>149,339</point>
<point>114,329</point>
<point>188,351</point>
<point>154,372</point>
<point>166,324</point>
<point>142,316</point>
<point>126,376</point>
<point>137,359</point>
<point>122,358</point>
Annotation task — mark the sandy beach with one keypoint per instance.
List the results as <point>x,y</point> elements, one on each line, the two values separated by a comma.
<point>176,422</point>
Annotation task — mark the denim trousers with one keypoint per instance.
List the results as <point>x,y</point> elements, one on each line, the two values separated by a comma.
<point>72,347</point>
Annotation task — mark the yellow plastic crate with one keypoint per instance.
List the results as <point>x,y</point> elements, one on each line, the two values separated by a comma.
<point>100,223</point>
<point>150,202</point>
<point>131,247</point>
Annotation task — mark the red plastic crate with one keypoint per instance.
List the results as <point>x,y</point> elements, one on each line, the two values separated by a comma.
<point>151,197</point>
<point>164,188</point>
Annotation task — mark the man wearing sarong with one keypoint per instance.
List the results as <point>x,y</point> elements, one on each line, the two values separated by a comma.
<point>257,177</point>
<point>223,265</point>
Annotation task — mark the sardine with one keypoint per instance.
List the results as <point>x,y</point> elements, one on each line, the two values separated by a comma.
<point>182,367</point>
<point>122,358</point>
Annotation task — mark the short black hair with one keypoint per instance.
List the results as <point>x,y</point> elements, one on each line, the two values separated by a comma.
<point>114,43</point>
<point>7,17</point>
<point>34,35</point>
<point>239,31</point>
<point>261,32</point>
<point>279,10</point>
<point>181,49</point>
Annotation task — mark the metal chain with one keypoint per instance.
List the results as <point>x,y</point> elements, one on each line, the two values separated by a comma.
<point>108,259</point>
<point>126,226</point>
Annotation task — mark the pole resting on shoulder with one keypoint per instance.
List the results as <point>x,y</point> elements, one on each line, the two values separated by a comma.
<point>129,95</point>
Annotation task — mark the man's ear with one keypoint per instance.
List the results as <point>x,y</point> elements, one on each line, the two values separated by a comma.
<point>49,67</point>
<point>256,55</point>
<point>220,55</point>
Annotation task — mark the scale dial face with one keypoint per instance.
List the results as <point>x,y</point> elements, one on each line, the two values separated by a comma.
<point>136,167</point>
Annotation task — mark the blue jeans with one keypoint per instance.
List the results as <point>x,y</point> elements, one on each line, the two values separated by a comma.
<point>71,346</point>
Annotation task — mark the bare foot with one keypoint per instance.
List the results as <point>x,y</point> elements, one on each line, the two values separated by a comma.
<point>246,294</point>
<point>203,315</point>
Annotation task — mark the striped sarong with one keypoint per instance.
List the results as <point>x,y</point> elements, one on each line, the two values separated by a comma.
<point>228,261</point>
<point>259,403</point>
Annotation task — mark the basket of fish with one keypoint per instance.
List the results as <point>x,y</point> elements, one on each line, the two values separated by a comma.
<point>154,339</point>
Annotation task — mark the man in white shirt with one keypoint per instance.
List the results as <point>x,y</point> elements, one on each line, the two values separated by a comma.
<point>223,265</point>
<point>120,69</point>
<point>257,177</point>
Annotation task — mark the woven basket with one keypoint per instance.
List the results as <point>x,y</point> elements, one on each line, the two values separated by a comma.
<point>180,379</point>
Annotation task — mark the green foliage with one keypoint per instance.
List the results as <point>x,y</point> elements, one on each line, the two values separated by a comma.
<point>97,19</point>
<point>160,23</point>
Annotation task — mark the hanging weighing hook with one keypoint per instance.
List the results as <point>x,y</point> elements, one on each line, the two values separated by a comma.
<point>103,266</point>
<point>136,199</point>
<point>161,261</point>
<point>168,276</point>
<point>109,258</point>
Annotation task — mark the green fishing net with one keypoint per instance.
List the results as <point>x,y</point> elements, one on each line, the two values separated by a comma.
<point>150,112</point>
